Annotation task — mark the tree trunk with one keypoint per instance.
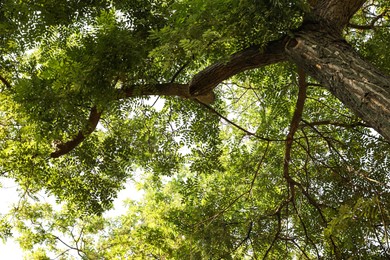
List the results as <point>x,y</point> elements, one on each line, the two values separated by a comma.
<point>331,60</point>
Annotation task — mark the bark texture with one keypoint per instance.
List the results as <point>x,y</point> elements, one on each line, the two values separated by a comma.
<point>333,62</point>
<point>254,57</point>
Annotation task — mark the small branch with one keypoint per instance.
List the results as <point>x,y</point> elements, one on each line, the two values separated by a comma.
<point>279,229</point>
<point>248,235</point>
<point>341,124</point>
<point>239,127</point>
<point>305,230</point>
<point>5,82</point>
<point>64,148</point>
<point>179,71</point>
<point>67,245</point>
<point>258,168</point>
<point>368,26</point>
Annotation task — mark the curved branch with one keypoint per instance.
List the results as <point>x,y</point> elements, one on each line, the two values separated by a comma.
<point>254,57</point>
<point>64,148</point>
<point>200,88</point>
<point>297,116</point>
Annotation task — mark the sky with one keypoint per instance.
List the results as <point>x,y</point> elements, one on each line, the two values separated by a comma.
<point>9,196</point>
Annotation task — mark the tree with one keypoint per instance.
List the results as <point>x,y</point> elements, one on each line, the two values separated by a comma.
<point>271,138</point>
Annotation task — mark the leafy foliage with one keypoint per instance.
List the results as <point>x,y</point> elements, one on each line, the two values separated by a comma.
<point>214,177</point>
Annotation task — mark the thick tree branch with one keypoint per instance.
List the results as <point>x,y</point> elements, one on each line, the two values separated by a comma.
<point>64,148</point>
<point>359,86</point>
<point>254,57</point>
<point>200,88</point>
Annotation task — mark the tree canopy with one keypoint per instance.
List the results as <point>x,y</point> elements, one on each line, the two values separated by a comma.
<point>256,129</point>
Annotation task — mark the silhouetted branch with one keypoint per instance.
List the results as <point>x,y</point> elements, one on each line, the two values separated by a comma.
<point>240,127</point>
<point>341,124</point>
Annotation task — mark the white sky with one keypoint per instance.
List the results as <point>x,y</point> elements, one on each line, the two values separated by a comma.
<point>9,196</point>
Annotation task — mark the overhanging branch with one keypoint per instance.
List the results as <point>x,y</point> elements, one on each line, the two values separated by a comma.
<point>201,85</point>
<point>200,88</point>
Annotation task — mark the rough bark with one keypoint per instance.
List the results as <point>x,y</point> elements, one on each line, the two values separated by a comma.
<point>333,14</point>
<point>333,62</point>
<point>254,57</point>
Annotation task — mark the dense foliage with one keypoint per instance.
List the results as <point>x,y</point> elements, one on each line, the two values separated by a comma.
<point>246,177</point>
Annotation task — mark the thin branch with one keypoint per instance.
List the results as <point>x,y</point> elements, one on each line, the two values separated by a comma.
<point>258,168</point>
<point>247,237</point>
<point>240,127</point>
<point>305,230</point>
<point>340,124</point>
<point>279,229</point>
<point>301,249</point>
<point>368,26</point>
<point>67,245</point>
<point>179,71</point>
<point>62,253</point>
